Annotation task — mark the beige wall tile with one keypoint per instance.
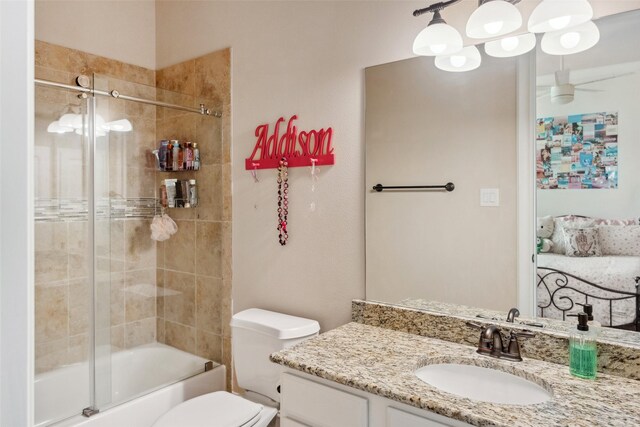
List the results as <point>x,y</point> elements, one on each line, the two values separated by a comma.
<point>139,332</point>
<point>117,337</point>
<point>160,337</point>
<point>50,354</point>
<point>51,312</point>
<point>50,236</point>
<point>180,248</point>
<point>160,275</point>
<point>227,361</point>
<point>213,76</point>
<point>51,266</point>
<point>209,139</point>
<point>226,133</point>
<point>180,297</point>
<point>78,349</point>
<point>52,56</point>
<point>226,311</point>
<point>178,78</point>
<point>209,346</point>
<point>116,302</point>
<point>79,303</point>
<point>226,193</point>
<point>209,248</point>
<point>140,295</point>
<point>209,301</point>
<point>180,336</point>
<point>210,193</point>
<point>140,248</point>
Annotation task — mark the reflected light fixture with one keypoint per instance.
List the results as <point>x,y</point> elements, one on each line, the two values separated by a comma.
<point>439,38</point>
<point>510,46</point>
<point>555,15</point>
<point>572,40</point>
<point>72,122</point>
<point>493,18</point>
<point>465,60</point>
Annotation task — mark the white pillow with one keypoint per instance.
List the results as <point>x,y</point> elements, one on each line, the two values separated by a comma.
<point>619,239</point>
<point>560,224</point>
<point>581,242</point>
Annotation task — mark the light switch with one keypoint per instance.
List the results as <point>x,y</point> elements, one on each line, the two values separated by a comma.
<point>489,197</point>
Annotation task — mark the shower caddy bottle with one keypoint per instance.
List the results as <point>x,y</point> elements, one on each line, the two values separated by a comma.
<point>583,351</point>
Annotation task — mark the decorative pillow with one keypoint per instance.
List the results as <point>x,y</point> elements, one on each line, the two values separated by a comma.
<point>619,240</point>
<point>560,223</point>
<point>602,221</point>
<point>581,242</point>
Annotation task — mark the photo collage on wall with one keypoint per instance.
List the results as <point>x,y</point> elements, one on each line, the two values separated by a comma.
<point>577,151</point>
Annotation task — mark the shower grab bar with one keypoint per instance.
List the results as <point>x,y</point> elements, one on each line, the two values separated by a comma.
<point>448,186</point>
<point>115,94</point>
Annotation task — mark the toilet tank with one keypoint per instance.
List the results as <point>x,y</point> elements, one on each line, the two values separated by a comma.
<point>255,334</point>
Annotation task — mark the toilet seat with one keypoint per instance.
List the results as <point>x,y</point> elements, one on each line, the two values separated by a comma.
<point>218,409</point>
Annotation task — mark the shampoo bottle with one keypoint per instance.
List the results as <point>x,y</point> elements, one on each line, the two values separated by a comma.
<point>583,352</point>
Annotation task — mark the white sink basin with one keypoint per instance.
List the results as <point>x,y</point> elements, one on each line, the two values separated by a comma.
<point>483,384</point>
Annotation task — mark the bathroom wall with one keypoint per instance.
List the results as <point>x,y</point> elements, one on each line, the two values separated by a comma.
<point>83,25</point>
<point>194,266</point>
<point>304,58</point>
<point>123,246</point>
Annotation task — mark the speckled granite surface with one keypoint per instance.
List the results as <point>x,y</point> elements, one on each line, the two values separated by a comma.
<point>607,334</point>
<point>382,362</point>
<point>549,344</point>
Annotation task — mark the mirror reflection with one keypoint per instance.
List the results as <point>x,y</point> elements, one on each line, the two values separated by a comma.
<point>439,250</point>
<point>588,177</point>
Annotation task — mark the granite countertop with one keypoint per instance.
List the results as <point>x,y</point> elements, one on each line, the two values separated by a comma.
<point>382,362</point>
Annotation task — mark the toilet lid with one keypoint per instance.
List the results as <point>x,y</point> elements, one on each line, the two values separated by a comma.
<point>219,409</point>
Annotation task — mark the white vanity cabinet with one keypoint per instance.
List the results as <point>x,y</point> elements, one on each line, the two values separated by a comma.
<point>308,401</point>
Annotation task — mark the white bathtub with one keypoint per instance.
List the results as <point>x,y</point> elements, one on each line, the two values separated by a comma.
<point>170,372</point>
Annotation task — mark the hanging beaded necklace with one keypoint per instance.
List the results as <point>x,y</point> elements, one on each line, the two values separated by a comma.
<point>283,201</point>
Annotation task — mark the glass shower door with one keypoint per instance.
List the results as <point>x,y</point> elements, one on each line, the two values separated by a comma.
<point>63,283</point>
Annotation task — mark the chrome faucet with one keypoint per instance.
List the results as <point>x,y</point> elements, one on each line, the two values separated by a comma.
<point>491,344</point>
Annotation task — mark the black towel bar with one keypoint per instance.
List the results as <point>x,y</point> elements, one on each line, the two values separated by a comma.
<point>448,186</point>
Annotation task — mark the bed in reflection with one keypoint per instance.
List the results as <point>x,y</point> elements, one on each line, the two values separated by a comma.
<point>591,261</point>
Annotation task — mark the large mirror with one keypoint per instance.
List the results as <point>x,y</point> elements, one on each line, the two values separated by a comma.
<point>440,249</point>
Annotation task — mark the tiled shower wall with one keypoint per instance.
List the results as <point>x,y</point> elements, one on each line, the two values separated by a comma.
<point>192,301</point>
<point>194,268</point>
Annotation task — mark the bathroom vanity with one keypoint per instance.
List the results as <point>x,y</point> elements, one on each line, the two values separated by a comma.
<point>361,375</point>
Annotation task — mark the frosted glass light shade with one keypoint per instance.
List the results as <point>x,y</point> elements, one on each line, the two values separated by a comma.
<point>56,127</point>
<point>437,39</point>
<point>122,125</point>
<point>493,19</point>
<point>511,46</point>
<point>71,120</point>
<point>555,15</point>
<point>572,40</point>
<point>466,60</point>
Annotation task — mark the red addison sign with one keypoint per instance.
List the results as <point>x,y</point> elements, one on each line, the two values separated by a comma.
<point>300,148</point>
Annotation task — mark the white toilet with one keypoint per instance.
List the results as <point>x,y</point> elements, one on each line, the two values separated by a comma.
<point>255,335</point>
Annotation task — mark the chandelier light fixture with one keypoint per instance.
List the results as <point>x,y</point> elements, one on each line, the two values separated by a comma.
<point>465,60</point>
<point>566,23</point>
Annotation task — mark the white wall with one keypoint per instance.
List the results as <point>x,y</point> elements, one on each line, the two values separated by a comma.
<point>16,213</point>
<point>619,95</point>
<point>123,30</point>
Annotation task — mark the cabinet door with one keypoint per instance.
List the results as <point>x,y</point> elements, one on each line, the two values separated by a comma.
<point>318,405</point>
<point>398,418</point>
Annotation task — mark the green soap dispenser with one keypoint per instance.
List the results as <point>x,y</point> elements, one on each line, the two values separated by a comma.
<point>583,351</point>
